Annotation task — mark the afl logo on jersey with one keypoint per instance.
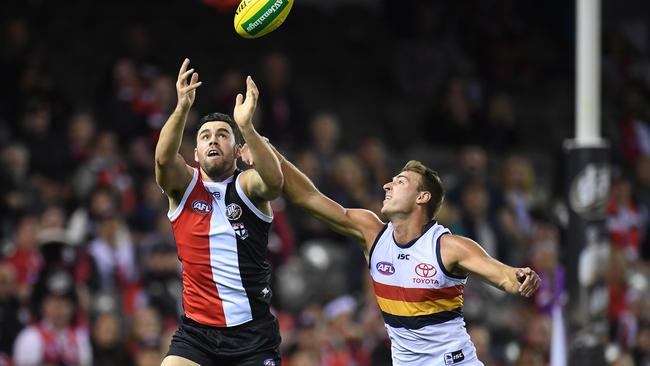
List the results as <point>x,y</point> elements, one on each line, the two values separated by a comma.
<point>385,268</point>
<point>233,212</point>
<point>425,270</point>
<point>269,362</point>
<point>201,207</point>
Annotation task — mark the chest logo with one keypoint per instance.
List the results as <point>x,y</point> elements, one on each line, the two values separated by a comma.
<point>425,270</point>
<point>385,268</point>
<point>233,212</point>
<point>240,230</point>
<point>201,207</point>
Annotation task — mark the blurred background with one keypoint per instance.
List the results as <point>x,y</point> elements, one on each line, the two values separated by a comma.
<point>480,90</point>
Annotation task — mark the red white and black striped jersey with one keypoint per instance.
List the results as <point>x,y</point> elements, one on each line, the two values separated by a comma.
<point>222,240</point>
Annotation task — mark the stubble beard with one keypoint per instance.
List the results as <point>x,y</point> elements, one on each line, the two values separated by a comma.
<point>217,171</point>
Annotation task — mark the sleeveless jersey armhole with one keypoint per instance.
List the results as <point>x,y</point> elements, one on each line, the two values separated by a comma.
<point>190,187</point>
<point>261,215</point>
<point>374,244</point>
<point>441,264</point>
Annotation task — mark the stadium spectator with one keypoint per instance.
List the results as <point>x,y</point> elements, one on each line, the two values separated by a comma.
<point>12,318</point>
<point>55,339</point>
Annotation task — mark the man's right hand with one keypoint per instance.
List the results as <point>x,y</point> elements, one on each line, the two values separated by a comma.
<point>184,91</point>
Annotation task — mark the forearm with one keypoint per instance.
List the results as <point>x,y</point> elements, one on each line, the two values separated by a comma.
<point>297,186</point>
<point>508,280</point>
<point>171,137</point>
<point>267,164</point>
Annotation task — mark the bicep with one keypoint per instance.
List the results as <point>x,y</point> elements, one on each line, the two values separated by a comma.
<point>254,186</point>
<point>469,257</point>
<point>174,177</point>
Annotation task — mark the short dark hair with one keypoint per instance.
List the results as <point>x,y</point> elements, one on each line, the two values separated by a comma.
<point>429,182</point>
<point>222,117</point>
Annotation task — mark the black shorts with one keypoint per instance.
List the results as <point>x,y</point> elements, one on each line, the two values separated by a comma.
<point>255,343</point>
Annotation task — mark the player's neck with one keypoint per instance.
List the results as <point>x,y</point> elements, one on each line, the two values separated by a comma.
<point>408,227</point>
<point>217,177</point>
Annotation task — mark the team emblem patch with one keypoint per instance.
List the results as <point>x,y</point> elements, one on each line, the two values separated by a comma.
<point>233,212</point>
<point>201,207</point>
<point>240,230</point>
<point>454,357</point>
<point>425,270</point>
<point>269,362</point>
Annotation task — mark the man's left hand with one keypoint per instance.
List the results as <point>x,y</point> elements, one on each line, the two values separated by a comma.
<point>245,107</point>
<point>529,280</point>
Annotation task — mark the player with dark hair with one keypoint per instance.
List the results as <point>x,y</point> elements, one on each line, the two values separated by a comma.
<point>419,269</point>
<point>221,218</point>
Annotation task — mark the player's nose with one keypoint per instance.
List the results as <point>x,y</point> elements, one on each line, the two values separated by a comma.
<point>387,186</point>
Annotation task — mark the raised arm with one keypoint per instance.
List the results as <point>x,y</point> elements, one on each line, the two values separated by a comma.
<point>265,181</point>
<point>362,225</point>
<point>172,173</point>
<point>461,255</point>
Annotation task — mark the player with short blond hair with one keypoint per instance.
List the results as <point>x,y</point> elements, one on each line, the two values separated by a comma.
<point>419,269</point>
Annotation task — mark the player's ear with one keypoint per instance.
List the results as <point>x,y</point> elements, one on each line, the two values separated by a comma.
<point>424,197</point>
<point>196,155</point>
<point>246,155</point>
<point>238,148</point>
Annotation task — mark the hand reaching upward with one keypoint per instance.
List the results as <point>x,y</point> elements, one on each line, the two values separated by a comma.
<point>245,108</point>
<point>184,91</point>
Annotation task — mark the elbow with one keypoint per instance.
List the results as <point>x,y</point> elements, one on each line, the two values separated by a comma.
<point>275,185</point>
<point>161,163</point>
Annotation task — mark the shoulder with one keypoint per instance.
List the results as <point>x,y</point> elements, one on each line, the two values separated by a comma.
<point>455,248</point>
<point>455,243</point>
<point>367,222</point>
<point>242,180</point>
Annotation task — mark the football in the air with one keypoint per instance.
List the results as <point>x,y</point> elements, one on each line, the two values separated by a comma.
<point>255,18</point>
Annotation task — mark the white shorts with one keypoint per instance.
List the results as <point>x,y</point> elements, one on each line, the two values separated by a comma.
<point>441,344</point>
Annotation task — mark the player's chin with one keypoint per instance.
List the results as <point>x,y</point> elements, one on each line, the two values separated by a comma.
<point>212,166</point>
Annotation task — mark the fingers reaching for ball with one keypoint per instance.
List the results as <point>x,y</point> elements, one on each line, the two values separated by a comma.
<point>245,107</point>
<point>186,91</point>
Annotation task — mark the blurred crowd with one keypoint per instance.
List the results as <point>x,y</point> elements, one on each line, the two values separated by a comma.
<point>478,90</point>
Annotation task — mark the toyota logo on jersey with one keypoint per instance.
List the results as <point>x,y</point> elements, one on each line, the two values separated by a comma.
<point>201,207</point>
<point>425,270</point>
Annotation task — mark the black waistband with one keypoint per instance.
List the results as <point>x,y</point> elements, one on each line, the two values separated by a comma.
<point>420,321</point>
<point>252,323</point>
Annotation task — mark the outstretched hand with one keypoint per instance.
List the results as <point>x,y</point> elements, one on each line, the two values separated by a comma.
<point>529,280</point>
<point>245,108</point>
<point>186,92</point>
